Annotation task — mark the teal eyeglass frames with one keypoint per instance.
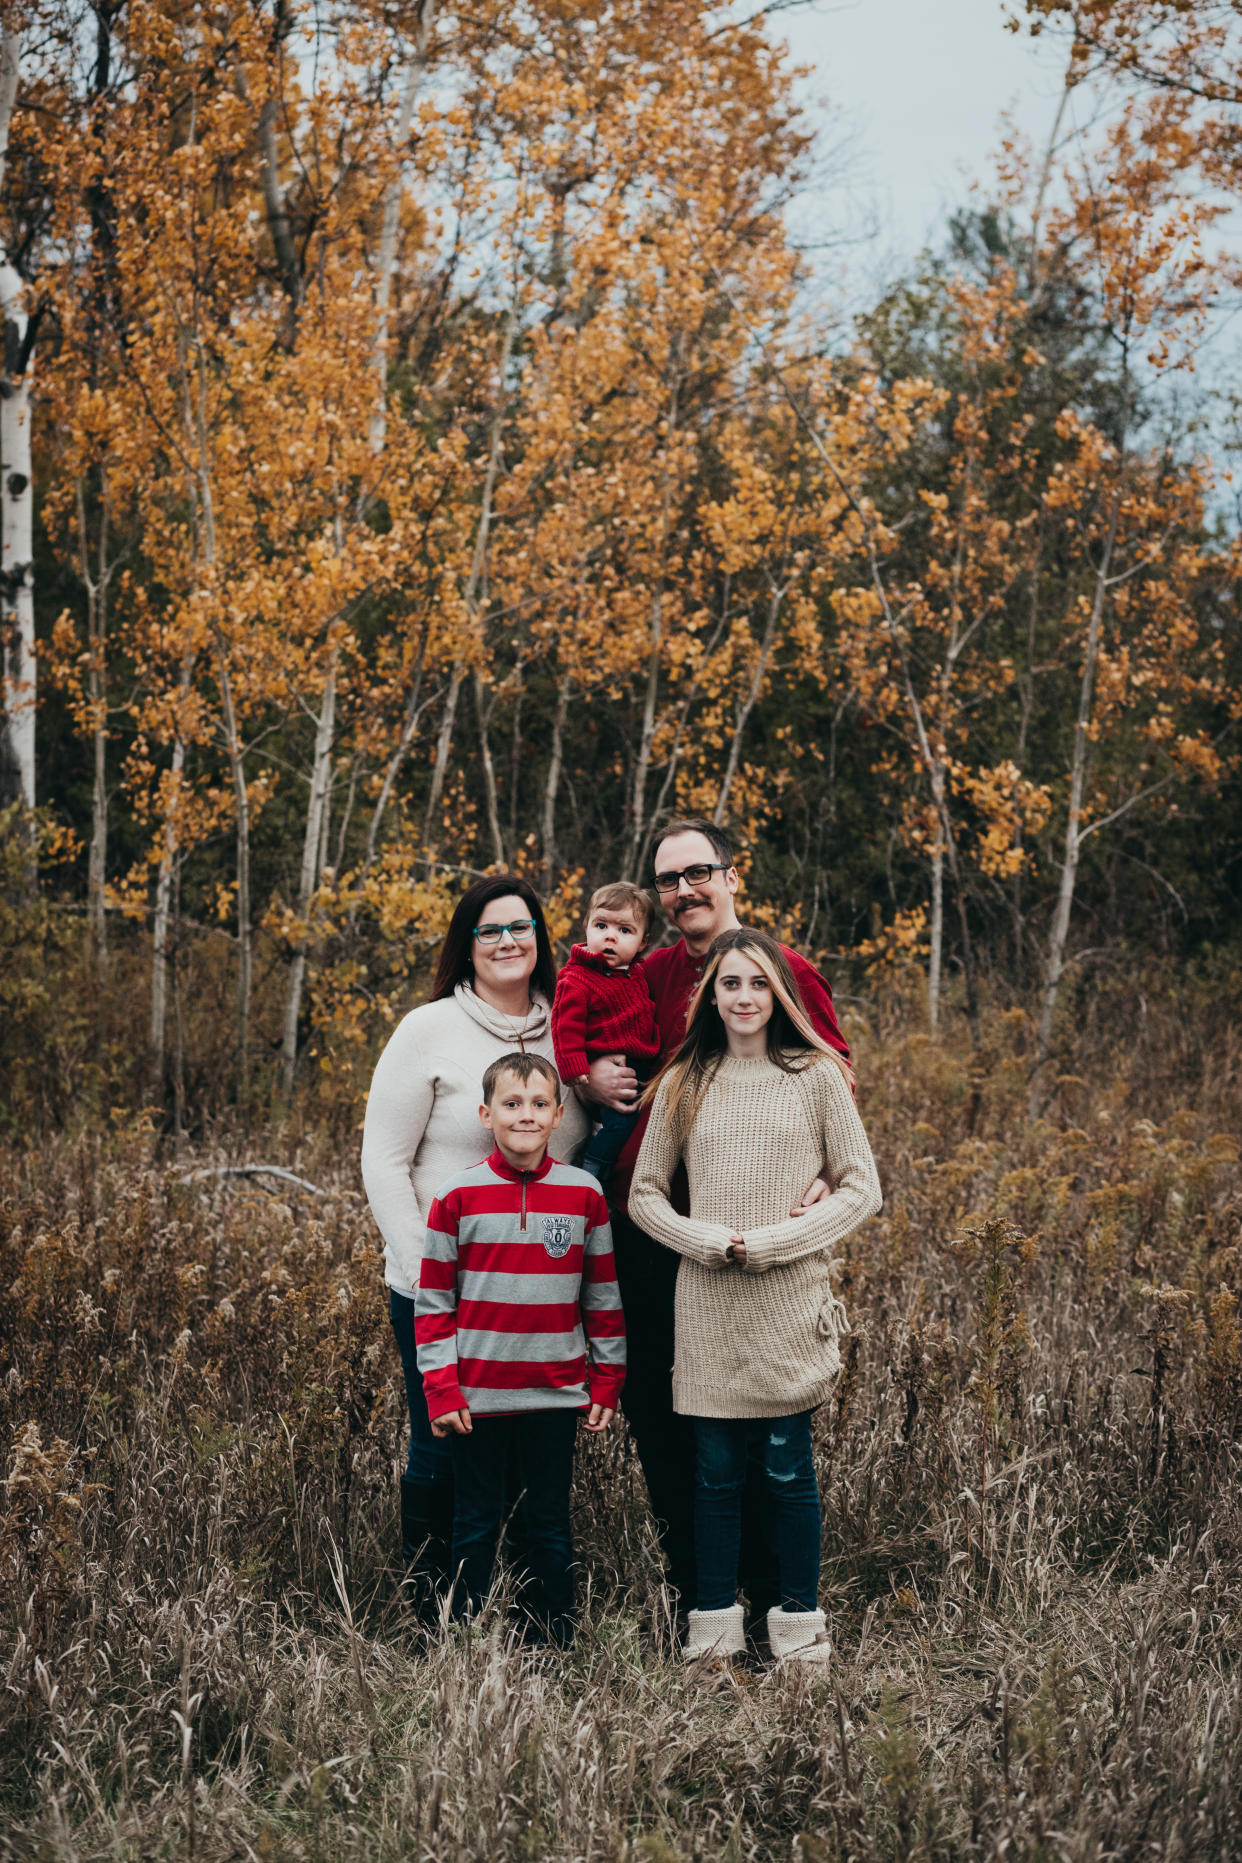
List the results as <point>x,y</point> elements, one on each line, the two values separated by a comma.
<point>516,928</point>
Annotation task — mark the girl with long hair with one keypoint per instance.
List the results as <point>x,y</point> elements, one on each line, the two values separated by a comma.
<point>492,994</point>
<point>755,1106</point>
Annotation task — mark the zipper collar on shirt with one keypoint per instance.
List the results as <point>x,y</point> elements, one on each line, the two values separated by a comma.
<point>500,1164</point>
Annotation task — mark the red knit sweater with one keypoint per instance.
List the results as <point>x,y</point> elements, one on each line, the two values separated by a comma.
<point>598,1010</point>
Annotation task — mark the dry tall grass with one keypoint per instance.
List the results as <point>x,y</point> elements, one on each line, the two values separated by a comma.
<point>1033,1518</point>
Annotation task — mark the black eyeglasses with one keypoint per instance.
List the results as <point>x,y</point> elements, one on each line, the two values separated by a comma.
<point>693,876</point>
<point>516,928</point>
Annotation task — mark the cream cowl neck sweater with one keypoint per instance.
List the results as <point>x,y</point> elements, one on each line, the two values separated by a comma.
<point>758,1341</point>
<point>422,1125</point>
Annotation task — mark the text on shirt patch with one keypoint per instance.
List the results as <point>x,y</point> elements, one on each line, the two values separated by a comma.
<point>557,1233</point>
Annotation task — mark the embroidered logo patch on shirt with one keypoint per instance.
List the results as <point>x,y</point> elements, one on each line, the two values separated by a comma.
<point>557,1233</point>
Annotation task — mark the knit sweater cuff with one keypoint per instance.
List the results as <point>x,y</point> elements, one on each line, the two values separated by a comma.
<point>719,1242</point>
<point>571,1066</point>
<point>758,1256</point>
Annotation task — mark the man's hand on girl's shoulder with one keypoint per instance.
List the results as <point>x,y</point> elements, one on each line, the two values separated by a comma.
<point>817,1189</point>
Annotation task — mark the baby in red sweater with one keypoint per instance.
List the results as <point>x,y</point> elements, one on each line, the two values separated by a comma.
<point>602,1007</point>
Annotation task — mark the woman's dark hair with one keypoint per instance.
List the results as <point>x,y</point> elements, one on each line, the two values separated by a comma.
<point>457,952</point>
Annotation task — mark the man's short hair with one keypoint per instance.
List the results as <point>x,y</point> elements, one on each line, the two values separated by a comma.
<point>696,824</point>
<point>525,1066</point>
<point>623,896</point>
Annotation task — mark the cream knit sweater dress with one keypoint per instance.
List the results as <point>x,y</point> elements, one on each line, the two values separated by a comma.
<point>758,1341</point>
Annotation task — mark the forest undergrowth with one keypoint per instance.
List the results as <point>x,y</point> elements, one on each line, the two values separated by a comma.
<point>1030,1475</point>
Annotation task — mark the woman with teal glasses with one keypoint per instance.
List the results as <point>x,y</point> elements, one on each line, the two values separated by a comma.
<point>492,994</point>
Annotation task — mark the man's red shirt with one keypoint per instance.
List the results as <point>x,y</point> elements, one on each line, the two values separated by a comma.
<point>672,977</point>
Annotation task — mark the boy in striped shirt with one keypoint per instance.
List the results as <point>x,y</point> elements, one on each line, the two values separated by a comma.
<point>517,1286</point>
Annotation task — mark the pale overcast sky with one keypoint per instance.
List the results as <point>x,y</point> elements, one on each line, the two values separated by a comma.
<point>918,88</point>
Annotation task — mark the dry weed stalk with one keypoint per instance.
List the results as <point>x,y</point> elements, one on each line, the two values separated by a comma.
<point>203,1653</point>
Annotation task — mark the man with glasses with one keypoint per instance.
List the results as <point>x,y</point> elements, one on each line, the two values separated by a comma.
<point>697,881</point>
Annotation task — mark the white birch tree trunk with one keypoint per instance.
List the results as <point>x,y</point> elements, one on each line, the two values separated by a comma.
<point>392,224</point>
<point>642,765</point>
<point>747,705</point>
<point>935,959</point>
<point>17,719</point>
<point>444,741</point>
<point>552,781</point>
<point>1055,967</point>
<point>241,797</point>
<point>409,730</point>
<point>484,711</point>
<point>321,782</point>
<point>95,583</point>
<point>474,579</point>
<point>163,899</point>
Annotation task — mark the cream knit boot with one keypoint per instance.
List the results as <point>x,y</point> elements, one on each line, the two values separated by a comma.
<point>798,1636</point>
<point>715,1633</point>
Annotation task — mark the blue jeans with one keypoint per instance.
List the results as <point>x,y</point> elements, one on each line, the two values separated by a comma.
<point>430,1458</point>
<point>534,1451</point>
<point>601,1151</point>
<point>723,1448</point>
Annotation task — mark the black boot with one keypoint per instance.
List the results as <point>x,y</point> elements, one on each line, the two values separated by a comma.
<point>426,1542</point>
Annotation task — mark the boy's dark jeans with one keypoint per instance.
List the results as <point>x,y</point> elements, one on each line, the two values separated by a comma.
<point>725,1448</point>
<point>536,1449</point>
<point>601,1151</point>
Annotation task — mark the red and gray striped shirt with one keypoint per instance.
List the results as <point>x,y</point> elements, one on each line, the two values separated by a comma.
<point>517,1279</point>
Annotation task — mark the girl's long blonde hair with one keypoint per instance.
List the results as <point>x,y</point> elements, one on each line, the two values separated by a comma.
<point>792,1041</point>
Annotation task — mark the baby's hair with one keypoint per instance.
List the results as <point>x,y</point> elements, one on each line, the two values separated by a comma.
<point>525,1066</point>
<point>622,896</point>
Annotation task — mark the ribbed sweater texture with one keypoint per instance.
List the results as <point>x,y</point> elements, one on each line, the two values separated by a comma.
<point>673,973</point>
<point>758,1341</point>
<point>422,1122</point>
<point>517,1280</point>
<point>598,1010</point>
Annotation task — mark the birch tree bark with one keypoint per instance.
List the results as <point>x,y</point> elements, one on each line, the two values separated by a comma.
<point>552,781</point>
<point>409,730</point>
<point>164,879</point>
<point>1054,969</point>
<point>747,705</point>
<point>477,572</point>
<point>415,73</point>
<point>444,742</point>
<point>95,580</point>
<point>17,718</point>
<point>935,951</point>
<point>642,765</point>
<point>484,712</point>
<point>198,438</point>
<point>321,780</point>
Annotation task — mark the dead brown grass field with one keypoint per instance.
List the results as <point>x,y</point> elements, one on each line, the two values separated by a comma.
<point>1033,1519</point>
